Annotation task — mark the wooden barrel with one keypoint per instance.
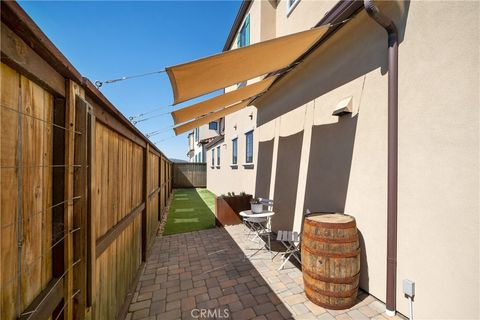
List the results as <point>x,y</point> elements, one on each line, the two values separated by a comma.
<point>331,260</point>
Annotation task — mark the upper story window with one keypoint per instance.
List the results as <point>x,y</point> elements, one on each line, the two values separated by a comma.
<point>195,134</point>
<point>218,155</point>
<point>234,150</point>
<point>291,4</point>
<point>213,125</point>
<point>243,39</point>
<point>249,147</point>
<point>221,125</point>
<point>213,157</point>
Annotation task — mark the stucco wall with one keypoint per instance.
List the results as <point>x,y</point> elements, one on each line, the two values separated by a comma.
<point>240,178</point>
<point>438,209</point>
<point>227,178</point>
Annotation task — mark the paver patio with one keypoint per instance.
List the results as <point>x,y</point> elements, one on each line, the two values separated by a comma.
<point>207,270</point>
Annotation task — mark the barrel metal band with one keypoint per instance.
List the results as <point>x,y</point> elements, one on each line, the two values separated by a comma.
<point>345,280</point>
<point>332,254</point>
<point>347,225</point>
<point>342,294</point>
<point>330,306</point>
<point>331,240</point>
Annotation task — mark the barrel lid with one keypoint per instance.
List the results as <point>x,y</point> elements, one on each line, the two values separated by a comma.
<point>331,217</point>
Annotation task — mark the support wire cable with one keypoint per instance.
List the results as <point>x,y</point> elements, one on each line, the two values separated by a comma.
<point>134,121</point>
<point>99,83</point>
<point>154,133</point>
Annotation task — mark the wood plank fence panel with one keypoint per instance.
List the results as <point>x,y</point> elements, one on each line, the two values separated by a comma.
<point>120,195</point>
<point>26,175</point>
<point>74,184</point>
<point>189,175</point>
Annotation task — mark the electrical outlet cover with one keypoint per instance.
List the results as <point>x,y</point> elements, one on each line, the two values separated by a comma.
<point>409,287</point>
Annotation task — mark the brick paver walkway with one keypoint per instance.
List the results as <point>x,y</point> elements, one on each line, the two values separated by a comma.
<point>207,270</point>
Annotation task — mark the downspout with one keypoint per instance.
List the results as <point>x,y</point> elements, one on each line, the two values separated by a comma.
<point>391,29</point>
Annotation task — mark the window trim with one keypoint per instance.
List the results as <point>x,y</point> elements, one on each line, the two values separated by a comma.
<point>196,133</point>
<point>218,156</point>
<point>213,122</point>
<point>213,158</point>
<point>246,148</point>
<point>235,152</point>
<point>292,7</point>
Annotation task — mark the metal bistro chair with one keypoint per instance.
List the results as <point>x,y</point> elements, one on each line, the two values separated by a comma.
<point>291,241</point>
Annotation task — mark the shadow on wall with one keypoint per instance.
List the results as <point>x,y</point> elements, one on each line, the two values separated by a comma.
<point>364,278</point>
<point>264,169</point>
<point>286,181</point>
<point>331,152</point>
<point>336,62</point>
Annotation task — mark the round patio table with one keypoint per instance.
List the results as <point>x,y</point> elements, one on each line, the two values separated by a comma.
<point>257,219</point>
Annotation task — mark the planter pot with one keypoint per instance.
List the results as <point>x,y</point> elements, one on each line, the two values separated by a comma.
<point>257,207</point>
<point>227,209</point>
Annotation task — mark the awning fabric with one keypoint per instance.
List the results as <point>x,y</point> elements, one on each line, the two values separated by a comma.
<point>199,77</point>
<point>210,117</point>
<point>218,102</point>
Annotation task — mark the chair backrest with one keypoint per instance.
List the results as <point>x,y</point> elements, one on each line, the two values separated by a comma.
<point>305,215</point>
<point>267,203</point>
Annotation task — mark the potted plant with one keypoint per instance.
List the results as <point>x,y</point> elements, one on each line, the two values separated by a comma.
<point>256,205</point>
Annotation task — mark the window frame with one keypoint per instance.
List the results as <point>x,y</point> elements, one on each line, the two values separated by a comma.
<point>247,134</point>
<point>291,7</point>
<point>234,151</point>
<point>213,157</point>
<point>243,33</point>
<point>218,156</point>
<point>213,123</point>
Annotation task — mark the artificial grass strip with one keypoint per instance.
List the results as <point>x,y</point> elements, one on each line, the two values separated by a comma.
<point>190,210</point>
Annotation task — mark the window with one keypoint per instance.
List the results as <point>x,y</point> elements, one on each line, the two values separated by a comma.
<point>234,150</point>
<point>213,157</point>
<point>218,155</point>
<point>243,39</point>
<point>249,147</point>
<point>213,125</point>
<point>291,4</point>
<point>195,134</point>
<point>221,125</point>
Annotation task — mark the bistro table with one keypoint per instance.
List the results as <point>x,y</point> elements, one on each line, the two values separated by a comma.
<point>256,219</point>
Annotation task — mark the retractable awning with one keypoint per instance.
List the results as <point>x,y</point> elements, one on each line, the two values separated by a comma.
<point>210,117</point>
<point>218,102</point>
<point>196,78</point>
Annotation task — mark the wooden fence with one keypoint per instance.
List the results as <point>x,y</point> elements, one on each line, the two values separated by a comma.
<point>189,175</point>
<point>82,190</point>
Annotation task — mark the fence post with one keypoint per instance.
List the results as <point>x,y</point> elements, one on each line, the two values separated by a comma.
<point>68,195</point>
<point>79,222</point>
<point>92,202</point>
<point>145,201</point>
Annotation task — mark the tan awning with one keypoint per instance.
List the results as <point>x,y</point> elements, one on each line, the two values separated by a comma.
<point>196,78</point>
<point>210,117</point>
<point>221,101</point>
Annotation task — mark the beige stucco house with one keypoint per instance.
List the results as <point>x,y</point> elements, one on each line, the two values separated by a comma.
<point>304,156</point>
<point>199,137</point>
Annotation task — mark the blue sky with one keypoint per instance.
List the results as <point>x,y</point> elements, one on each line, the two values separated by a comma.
<point>107,40</point>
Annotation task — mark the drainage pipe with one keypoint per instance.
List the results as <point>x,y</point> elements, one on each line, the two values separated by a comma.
<point>391,29</point>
